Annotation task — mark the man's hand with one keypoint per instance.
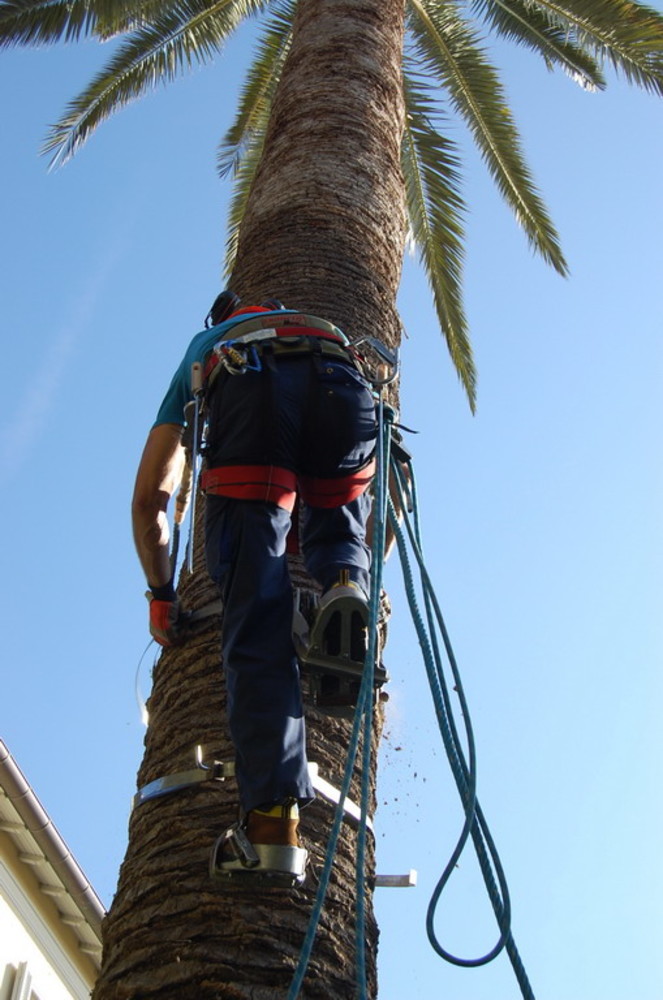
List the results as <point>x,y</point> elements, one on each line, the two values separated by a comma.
<point>165,621</point>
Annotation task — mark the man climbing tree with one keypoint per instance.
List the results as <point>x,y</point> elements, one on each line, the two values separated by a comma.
<point>333,143</point>
<point>289,412</point>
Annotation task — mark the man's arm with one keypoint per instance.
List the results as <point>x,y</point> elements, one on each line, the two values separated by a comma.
<point>159,474</point>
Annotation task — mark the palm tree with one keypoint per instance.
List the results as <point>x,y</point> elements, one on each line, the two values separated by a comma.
<point>336,148</point>
<point>445,69</point>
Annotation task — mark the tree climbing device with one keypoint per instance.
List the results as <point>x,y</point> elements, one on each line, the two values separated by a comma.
<point>234,857</point>
<point>339,637</point>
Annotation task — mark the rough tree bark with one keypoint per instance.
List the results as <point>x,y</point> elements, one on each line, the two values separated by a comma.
<point>324,231</point>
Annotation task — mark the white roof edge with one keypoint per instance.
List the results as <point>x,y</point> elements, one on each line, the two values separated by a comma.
<point>55,851</point>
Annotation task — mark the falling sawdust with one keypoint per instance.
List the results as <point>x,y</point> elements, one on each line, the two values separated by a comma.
<point>401,776</point>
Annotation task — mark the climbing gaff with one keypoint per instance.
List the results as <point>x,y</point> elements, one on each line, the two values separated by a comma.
<point>197,390</point>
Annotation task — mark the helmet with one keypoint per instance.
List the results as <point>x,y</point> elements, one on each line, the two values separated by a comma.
<point>272,304</point>
<point>223,305</point>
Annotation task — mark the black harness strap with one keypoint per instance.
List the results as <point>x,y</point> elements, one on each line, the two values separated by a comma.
<point>269,405</point>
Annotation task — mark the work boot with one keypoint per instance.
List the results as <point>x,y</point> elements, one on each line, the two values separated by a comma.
<point>274,824</point>
<point>264,849</point>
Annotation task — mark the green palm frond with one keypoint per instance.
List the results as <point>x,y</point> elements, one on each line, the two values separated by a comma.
<point>45,22</point>
<point>526,24</point>
<point>626,34</point>
<point>244,173</point>
<point>162,38</point>
<point>40,22</point>
<point>187,32</point>
<point>121,17</point>
<point>435,208</point>
<point>447,49</point>
<point>258,91</point>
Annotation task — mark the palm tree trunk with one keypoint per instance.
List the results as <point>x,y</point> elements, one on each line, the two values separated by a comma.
<point>324,231</point>
<point>325,223</point>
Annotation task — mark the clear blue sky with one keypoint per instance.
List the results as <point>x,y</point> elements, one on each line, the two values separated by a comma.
<point>541,515</point>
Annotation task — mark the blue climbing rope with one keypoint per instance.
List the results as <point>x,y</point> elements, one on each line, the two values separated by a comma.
<point>385,419</point>
<point>430,628</point>
<point>361,725</point>
<point>463,767</point>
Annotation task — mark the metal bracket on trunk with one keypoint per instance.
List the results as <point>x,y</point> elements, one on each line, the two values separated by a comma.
<point>408,881</point>
<point>219,771</point>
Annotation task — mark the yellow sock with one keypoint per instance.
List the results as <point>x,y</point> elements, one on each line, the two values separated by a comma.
<point>282,810</point>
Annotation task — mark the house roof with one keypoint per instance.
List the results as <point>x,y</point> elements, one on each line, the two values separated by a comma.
<point>40,846</point>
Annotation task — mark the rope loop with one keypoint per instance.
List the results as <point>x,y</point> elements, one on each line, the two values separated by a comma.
<point>430,628</point>
<point>462,762</point>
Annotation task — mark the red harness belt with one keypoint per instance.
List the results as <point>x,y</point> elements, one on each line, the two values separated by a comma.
<point>252,482</point>
<point>280,486</point>
<point>338,491</point>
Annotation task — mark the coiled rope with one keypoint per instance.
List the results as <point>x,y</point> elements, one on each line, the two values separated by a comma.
<point>430,628</point>
<point>463,767</point>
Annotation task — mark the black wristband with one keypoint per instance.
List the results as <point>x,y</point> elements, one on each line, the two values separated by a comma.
<point>165,593</point>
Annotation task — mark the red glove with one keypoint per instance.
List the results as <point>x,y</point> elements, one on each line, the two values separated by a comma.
<point>164,621</point>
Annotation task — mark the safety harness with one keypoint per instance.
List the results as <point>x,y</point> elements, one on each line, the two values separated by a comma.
<point>254,344</point>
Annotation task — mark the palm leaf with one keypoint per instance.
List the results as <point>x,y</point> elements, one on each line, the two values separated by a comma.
<point>187,32</point>
<point>39,22</point>
<point>435,208</point>
<point>531,26</point>
<point>447,50</point>
<point>258,91</point>
<point>121,17</point>
<point>244,174</point>
<point>43,22</point>
<point>626,34</point>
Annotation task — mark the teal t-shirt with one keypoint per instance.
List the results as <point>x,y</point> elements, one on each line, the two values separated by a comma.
<point>179,392</point>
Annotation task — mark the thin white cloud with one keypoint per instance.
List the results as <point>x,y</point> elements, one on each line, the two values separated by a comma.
<point>21,431</point>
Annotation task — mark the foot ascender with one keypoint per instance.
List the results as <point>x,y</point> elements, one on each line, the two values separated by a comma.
<point>337,640</point>
<point>269,865</point>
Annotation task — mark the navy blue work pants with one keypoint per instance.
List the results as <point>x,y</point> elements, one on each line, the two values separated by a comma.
<point>325,424</point>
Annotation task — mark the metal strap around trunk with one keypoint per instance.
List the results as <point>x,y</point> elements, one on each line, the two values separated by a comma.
<point>219,771</point>
<point>177,782</point>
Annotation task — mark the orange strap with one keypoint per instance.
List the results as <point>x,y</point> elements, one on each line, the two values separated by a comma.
<point>252,482</point>
<point>338,491</point>
<point>278,485</point>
